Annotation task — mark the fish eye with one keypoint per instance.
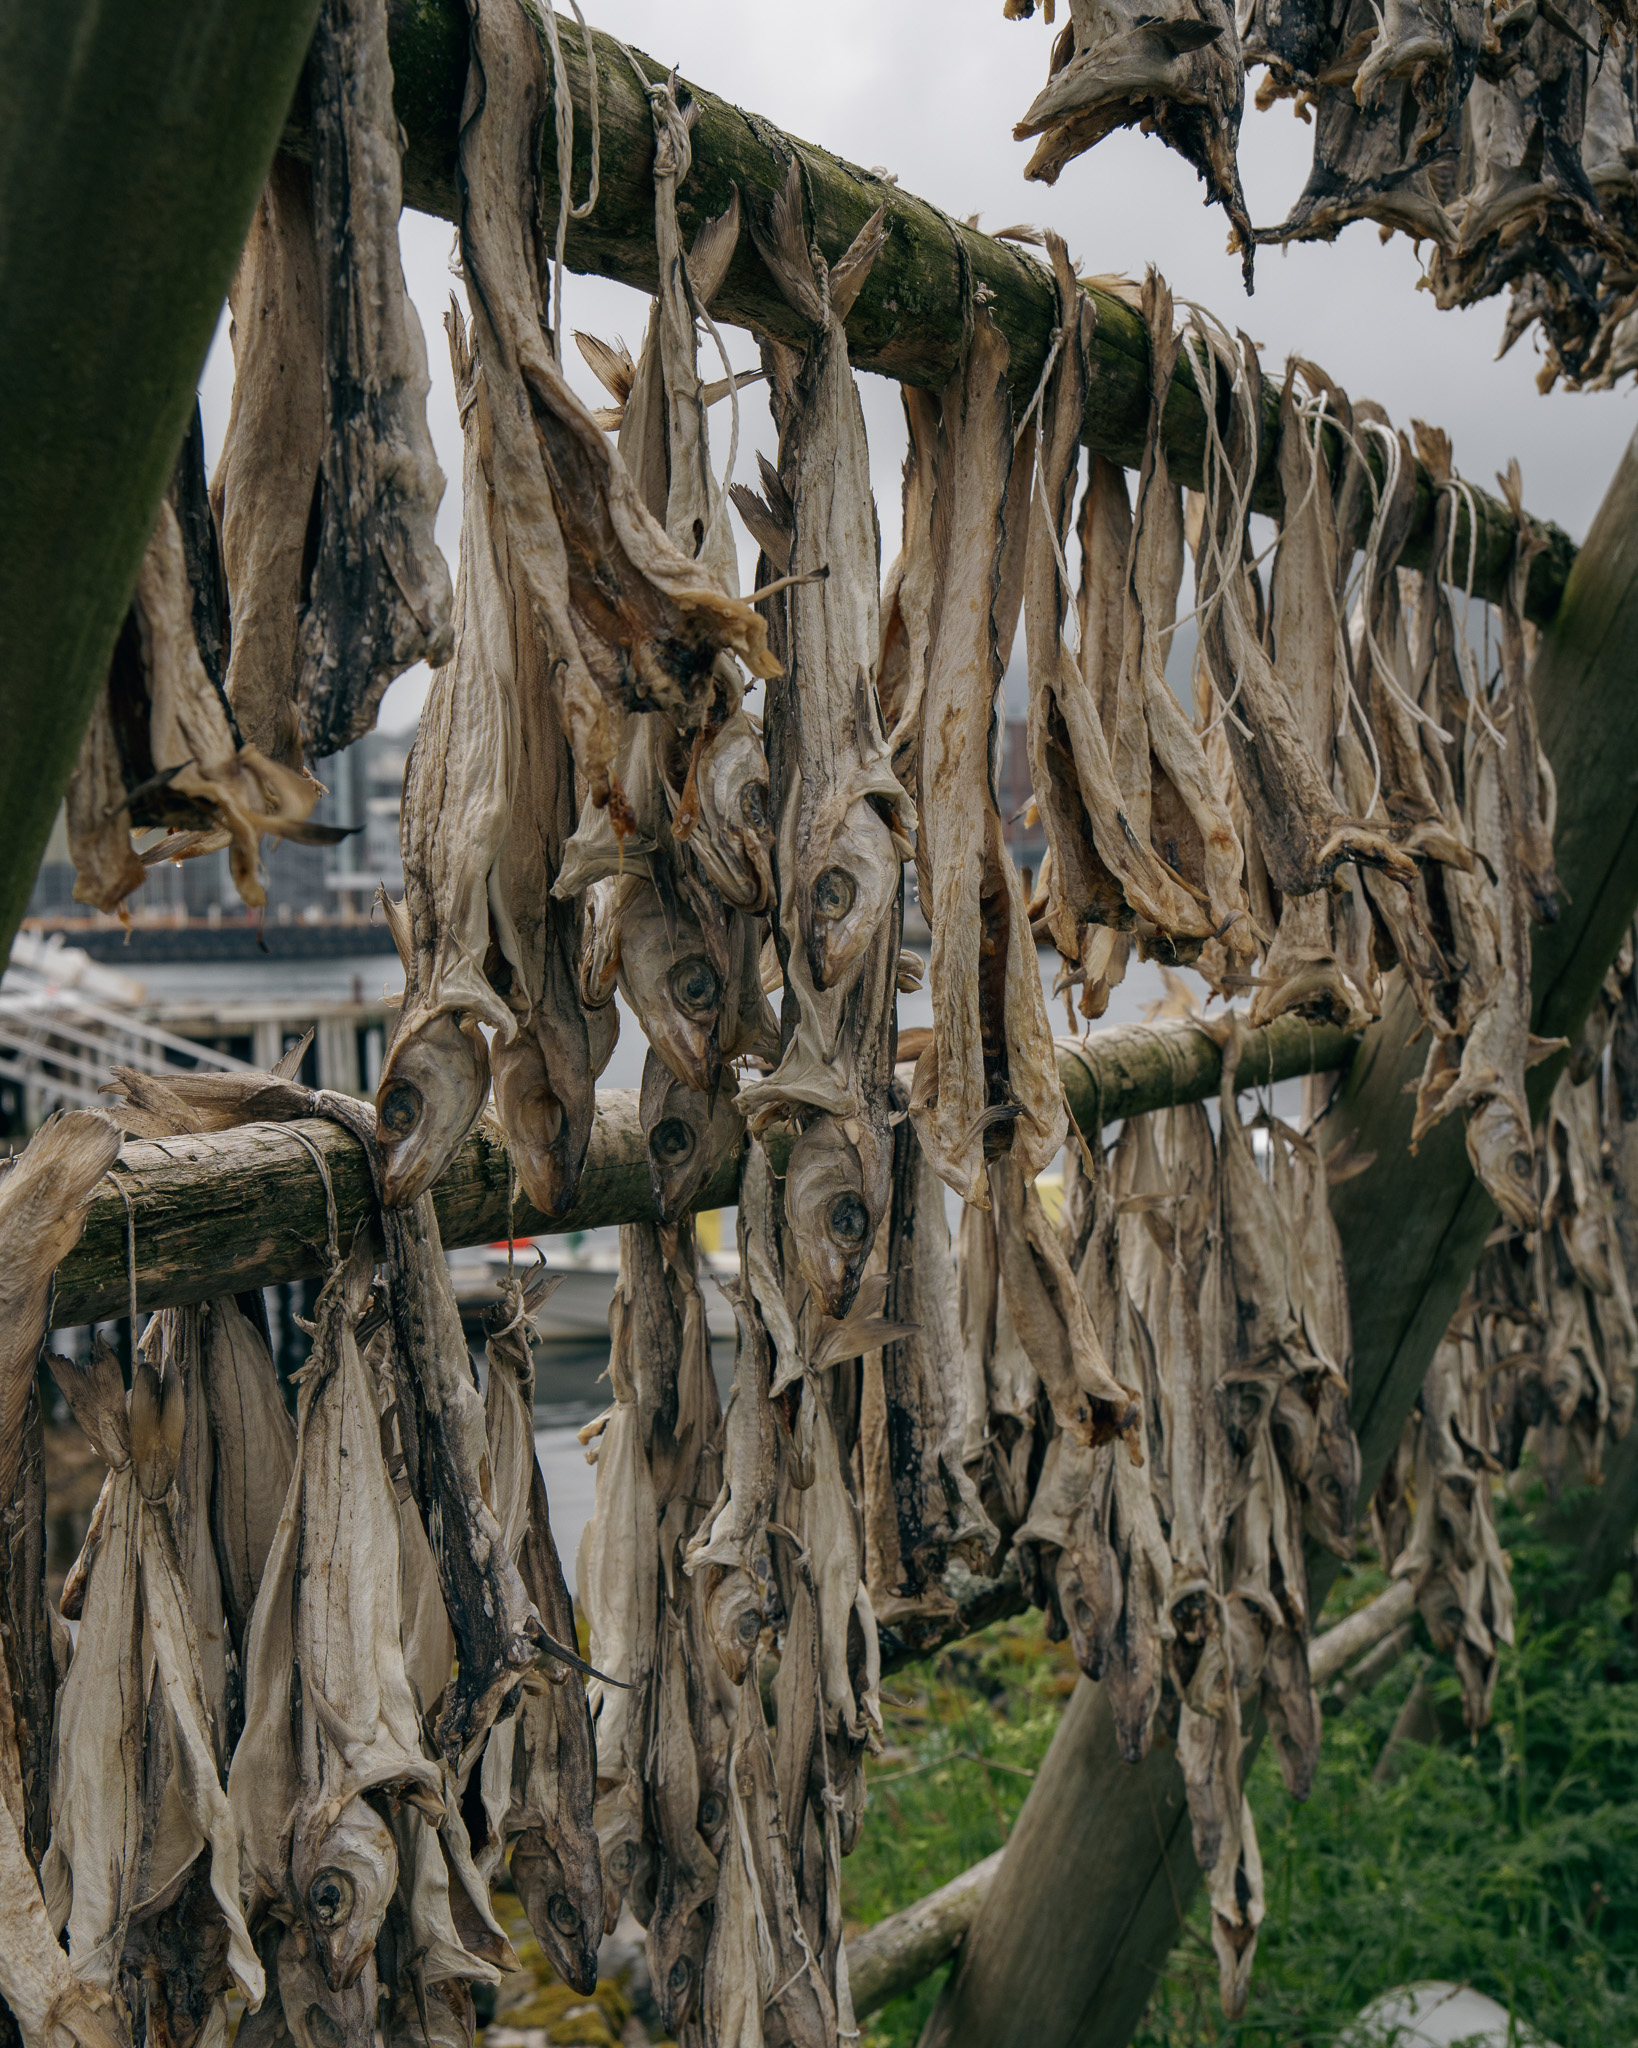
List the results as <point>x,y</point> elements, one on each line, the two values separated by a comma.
<point>322,2029</point>
<point>849,1220</point>
<point>330,1898</point>
<point>695,986</point>
<point>749,1627</point>
<point>560,1910</point>
<point>672,1141</point>
<point>622,1861</point>
<point>710,1812</point>
<point>753,805</point>
<point>680,1974</point>
<point>834,894</point>
<point>1521,1166</point>
<point>400,1110</point>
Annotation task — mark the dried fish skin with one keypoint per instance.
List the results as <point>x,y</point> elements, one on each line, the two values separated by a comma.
<point>688,1135</point>
<point>378,598</point>
<point>991,1057</point>
<point>1180,75</point>
<point>316,2015</point>
<point>107,867</point>
<point>262,491</point>
<point>635,623</point>
<point>253,1445</point>
<point>434,1083</point>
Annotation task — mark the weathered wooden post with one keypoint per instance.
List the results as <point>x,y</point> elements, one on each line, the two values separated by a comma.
<point>1099,1871</point>
<point>134,138</point>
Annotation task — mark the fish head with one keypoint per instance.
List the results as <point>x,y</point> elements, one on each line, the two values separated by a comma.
<point>566,1913</point>
<point>535,1122</point>
<point>316,2015</point>
<point>735,1616</point>
<point>430,1095</point>
<point>676,988</point>
<point>676,1963</point>
<point>346,1876</point>
<point>845,883</point>
<point>835,1203</point>
<point>1503,1155</point>
<point>686,1132</point>
<point>734,836</point>
<point>1331,1492</point>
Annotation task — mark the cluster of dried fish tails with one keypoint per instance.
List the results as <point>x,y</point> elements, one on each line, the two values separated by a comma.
<point>1503,135</point>
<point>1354,791</point>
<point>323,1676</point>
<point>1539,1368</point>
<point>272,611</point>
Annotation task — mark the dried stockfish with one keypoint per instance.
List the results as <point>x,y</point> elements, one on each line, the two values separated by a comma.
<point>263,489</point>
<point>843,816</point>
<point>253,1448</point>
<point>1303,834</point>
<point>318,1853</point>
<point>44,1196</point>
<point>1179,74</point>
<point>990,1061</point>
<point>123,1758</point>
<point>688,1133</point>
<point>458,799</point>
<point>539,1764</point>
<point>635,624</point>
<point>498,1630</point>
<point>377,599</point>
<point>161,749</point>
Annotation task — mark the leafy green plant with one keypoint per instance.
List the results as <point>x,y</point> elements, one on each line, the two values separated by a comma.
<point>1509,1861</point>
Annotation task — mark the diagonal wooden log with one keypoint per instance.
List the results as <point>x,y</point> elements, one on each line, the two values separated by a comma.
<point>134,138</point>
<point>910,318</point>
<point>1100,1869</point>
<point>238,1209</point>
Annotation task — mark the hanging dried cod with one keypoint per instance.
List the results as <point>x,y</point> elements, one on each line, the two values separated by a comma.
<point>989,1075</point>
<point>1179,74</point>
<point>161,749</point>
<point>328,488</point>
<point>634,623</point>
<point>1139,835</point>
<point>843,817</point>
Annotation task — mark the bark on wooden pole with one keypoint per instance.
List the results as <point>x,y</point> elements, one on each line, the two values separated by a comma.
<point>245,1208</point>
<point>134,138</point>
<point>1100,1870</point>
<point>910,317</point>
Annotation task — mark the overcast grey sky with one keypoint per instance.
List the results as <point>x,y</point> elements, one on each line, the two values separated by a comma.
<point>930,89</point>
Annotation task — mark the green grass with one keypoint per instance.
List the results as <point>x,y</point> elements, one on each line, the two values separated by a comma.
<point>1510,1863</point>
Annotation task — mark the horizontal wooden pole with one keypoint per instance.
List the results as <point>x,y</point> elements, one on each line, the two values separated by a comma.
<point>894,1956</point>
<point>245,1208</point>
<point>910,318</point>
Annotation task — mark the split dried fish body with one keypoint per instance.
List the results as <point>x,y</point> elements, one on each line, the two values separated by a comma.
<point>1180,75</point>
<point>635,623</point>
<point>317,2015</point>
<point>161,749</point>
<point>262,492</point>
<point>733,837</point>
<point>991,1060</point>
<point>378,598</point>
<point>459,788</point>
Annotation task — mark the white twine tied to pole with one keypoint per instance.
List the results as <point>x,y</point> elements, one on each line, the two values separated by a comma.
<point>563,120</point>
